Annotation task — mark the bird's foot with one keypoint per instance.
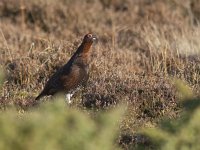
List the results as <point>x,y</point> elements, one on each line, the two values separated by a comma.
<point>68,98</point>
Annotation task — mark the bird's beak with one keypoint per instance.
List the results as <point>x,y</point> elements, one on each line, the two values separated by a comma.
<point>94,38</point>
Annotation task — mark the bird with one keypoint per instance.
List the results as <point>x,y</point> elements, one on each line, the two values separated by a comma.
<point>74,74</point>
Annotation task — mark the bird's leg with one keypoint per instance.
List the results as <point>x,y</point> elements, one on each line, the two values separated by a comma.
<point>68,98</point>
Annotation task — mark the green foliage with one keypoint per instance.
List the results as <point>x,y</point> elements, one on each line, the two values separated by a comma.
<point>184,132</point>
<point>185,91</point>
<point>55,126</point>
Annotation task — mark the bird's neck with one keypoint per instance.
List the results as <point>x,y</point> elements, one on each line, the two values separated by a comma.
<point>83,49</point>
<point>82,53</point>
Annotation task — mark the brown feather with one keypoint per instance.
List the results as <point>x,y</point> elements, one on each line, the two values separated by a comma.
<point>73,74</point>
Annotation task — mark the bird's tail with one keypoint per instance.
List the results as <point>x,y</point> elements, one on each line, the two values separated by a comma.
<point>39,96</point>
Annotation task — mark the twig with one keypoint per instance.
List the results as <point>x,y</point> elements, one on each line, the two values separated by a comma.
<point>8,49</point>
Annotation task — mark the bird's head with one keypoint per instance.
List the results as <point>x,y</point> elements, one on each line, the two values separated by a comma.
<point>86,44</point>
<point>89,38</point>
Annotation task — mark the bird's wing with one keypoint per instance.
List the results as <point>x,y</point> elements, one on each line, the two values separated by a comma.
<point>53,85</point>
<point>76,77</point>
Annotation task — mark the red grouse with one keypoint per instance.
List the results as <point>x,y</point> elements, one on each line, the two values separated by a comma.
<point>73,74</point>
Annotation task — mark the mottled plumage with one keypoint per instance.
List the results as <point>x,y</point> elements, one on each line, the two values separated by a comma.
<point>73,74</point>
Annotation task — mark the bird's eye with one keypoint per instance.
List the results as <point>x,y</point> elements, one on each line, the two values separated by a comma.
<point>89,36</point>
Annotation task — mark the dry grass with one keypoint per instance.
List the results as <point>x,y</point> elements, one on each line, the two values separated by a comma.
<point>142,46</point>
